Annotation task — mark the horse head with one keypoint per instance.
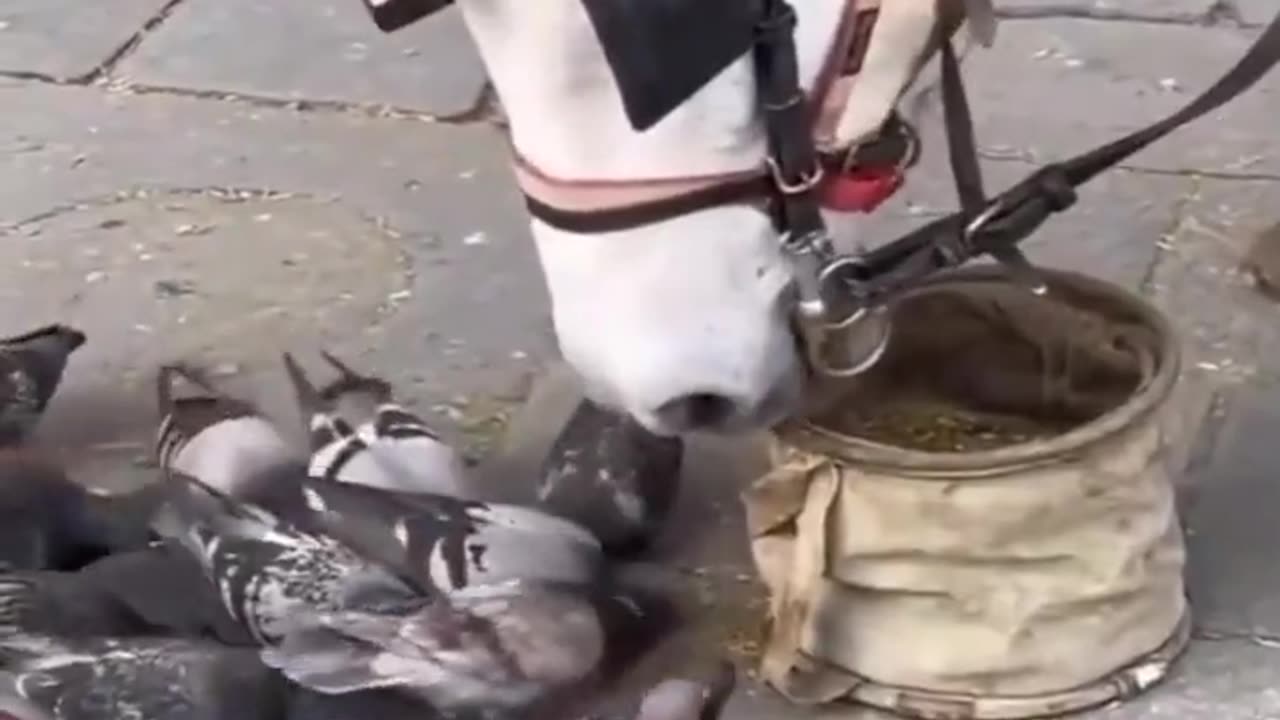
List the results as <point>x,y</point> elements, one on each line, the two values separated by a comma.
<point>681,312</point>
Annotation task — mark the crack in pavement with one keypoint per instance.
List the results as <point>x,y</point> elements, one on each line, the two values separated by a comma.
<point>126,48</point>
<point>484,108</point>
<point>1162,249</point>
<point>108,64</point>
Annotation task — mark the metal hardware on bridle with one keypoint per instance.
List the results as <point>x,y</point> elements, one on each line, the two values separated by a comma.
<point>796,171</point>
<point>835,292</point>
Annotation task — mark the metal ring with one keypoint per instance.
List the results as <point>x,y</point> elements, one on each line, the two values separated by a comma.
<point>806,183</point>
<point>818,360</point>
<point>825,279</point>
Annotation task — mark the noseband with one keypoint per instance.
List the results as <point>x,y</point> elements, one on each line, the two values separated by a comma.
<point>835,291</point>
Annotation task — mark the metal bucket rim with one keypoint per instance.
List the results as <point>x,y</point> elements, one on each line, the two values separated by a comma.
<point>1117,685</point>
<point>803,434</point>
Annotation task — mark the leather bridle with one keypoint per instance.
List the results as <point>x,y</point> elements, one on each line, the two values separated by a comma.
<point>835,291</point>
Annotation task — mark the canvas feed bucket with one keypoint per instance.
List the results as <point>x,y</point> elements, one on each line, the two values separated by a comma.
<point>1007,546</point>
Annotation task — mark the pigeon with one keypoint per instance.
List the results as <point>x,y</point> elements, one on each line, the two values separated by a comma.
<point>226,442</point>
<point>336,623</point>
<point>679,699</point>
<point>140,679</point>
<point>47,521</point>
<point>31,367</point>
<point>157,590</point>
<point>269,573</point>
<point>359,434</point>
<point>513,646</point>
<point>445,544</point>
<point>607,473</point>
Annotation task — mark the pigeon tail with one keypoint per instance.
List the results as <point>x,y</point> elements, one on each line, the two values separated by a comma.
<point>310,403</point>
<point>20,596</point>
<point>349,381</point>
<point>360,434</point>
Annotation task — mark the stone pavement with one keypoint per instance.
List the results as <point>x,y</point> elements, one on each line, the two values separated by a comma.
<point>368,202</point>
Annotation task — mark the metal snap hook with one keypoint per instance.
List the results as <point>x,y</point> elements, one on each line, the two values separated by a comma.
<point>840,351</point>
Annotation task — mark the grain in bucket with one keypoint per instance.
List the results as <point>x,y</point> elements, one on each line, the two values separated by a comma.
<point>983,525</point>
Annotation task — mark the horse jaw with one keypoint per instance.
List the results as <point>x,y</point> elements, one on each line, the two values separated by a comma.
<point>692,306</point>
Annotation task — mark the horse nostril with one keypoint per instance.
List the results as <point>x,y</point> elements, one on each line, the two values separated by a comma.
<point>698,411</point>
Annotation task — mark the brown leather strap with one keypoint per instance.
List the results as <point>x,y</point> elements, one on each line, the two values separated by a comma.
<point>895,146</point>
<point>626,217</point>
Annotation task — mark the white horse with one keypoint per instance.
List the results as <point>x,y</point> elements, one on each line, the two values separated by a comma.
<point>684,323</point>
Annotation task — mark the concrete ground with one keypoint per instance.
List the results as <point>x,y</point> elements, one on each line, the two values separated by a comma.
<point>221,179</point>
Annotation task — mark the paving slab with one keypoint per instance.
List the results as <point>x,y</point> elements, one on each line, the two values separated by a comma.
<point>1049,89</point>
<point>66,39</point>
<point>1199,281</point>
<point>1233,533</point>
<point>311,49</point>
<point>1234,341</point>
<point>470,321</point>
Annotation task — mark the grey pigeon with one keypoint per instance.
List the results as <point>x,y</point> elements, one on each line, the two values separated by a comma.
<point>607,473</point>
<point>226,442</point>
<point>336,623</point>
<point>516,646</point>
<point>31,367</point>
<point>360,434</point>
<point>446,544</point>
<point>139,679</point>
<point>271,575</point>
<point>158,590</point>
<point>678,699</point>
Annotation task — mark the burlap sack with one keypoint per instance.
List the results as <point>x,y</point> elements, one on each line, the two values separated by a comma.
<point>1003,583</point>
